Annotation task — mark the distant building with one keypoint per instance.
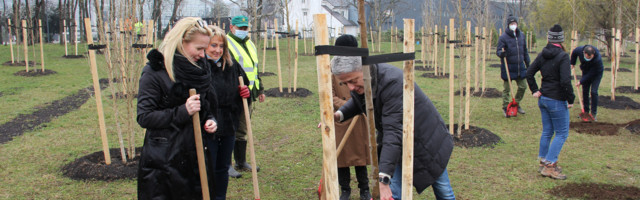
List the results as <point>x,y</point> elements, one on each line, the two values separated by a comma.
<point>341,15</point>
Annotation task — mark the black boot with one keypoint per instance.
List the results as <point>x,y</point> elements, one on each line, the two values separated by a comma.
<point>240,155</point>
<point>345,194</point>
<point>233,173</point>
<point>344,178</point>
<point>363,182</point>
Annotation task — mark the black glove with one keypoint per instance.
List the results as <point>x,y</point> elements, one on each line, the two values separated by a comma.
<point>502,54</point>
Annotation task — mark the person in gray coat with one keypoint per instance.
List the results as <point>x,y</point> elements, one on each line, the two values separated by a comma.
<point>433,144</point>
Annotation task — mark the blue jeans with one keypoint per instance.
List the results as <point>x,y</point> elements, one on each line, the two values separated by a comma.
<point>441,188</point>
<point>220,149</point>
<point>555,120</point>
<point>591,88</point>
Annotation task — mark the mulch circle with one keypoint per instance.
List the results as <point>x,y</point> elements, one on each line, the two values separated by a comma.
<point>495,65</point>
<point>439,76</point>
<point>627,89</point>
<point>474,137</point>
<point>93,167</point>
<point>488,93</point>
<point>596,191</point>
<point>595,128</point>
<point>621,103</point>
<point>73,56</point>
<point>275,92</point>
<point>271,48</point>
<point>423,68</point>
<point>28,122</point>
<point>266,74</point>
<point>619,69</point>
<point>19,63</point>
<point>34,73</point>
<point>456,56</point>
<point>634,126</point>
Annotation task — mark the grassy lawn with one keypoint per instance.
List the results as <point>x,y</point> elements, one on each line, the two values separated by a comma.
<point>289,144</point>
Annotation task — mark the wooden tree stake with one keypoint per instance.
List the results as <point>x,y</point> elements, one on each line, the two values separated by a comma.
<point>264,48</point>
<point>25,43</point>
<point>97,93</point>
<point>423,48</point>
<point>41,46</point>
<point>295,61</point>
<point>467,96</point>
<point>452,36</point>
<point>379,40</point>
<point>484,57</point>
<point>65,34</point>
<point>475,58</point>
<point>75,38</point>
<point>11,41</point>
<point>275,22</point>
<point>613,63</point>
<point>444,52</point>
<point>326,110</point>
<point>408,112</point>
<point>637,36</point>
<point>435,51</point>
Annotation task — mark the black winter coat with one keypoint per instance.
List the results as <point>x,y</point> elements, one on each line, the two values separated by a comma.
<point>553,64</point>
<point>433,144</point>
<point>517,57</point>
<point>590,69</point>
<point>168,167</point>
<point>229,101</point>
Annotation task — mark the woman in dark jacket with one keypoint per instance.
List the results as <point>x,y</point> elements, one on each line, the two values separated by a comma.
<point>168,167</point>
<point>225,72</point>
<point>556,97</point>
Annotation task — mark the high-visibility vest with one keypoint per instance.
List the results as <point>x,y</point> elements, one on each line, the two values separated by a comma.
<point>248,61</point>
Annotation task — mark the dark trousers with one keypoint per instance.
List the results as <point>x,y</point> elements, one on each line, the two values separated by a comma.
<point>591,88</point>
<point>344,177</point>
<point>220,149</point>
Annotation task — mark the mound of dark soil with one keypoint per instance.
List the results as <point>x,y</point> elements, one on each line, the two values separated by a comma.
<point>619,69</point>
<point>488,93</point>
<point>621,103</point>
<point>19,63</point>
<point>423,68</point>
<point>93,167</point>
<point>625,55</point>
<point>596,191</point>
<point>34,73</point>
<point>419,61</point>
<point>632,50</point>
<point>271,48</point>
<point>456,56</point>
<point>28,122</point>
<point>266,74</point>
<point>634,126</point>
<point>474,137</point>
<point>495,65</point>
<point>121,95</point>
<point>431,75</point>
<point>595,128</point>
<point>275,92</point>
<point>73,56</point>
<point>627,89</point>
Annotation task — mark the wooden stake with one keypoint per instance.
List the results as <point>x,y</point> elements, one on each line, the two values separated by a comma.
<point>295,61</point>
<point>637,36</point>
<point>41,46</point>
<point>373,43</point>
<point>452,36</point>
<point>423,48</point>
<point>467,96</point>
<point>484,57</point>
<point>75,38</point>
<point>97,93</point>
<point>408,112</point>
<point>65,34</point>
<point>475,58</point>
<point>197,133</point>
<point>435,51</point>
<point>11,43</point>
<point>25,44</point>
<point>304,41</point>
<point>619,51</point>
<point>379,40</point>
<point>264,48</point>
<point>275,21</point>
<point>326,110</point>
<point>254,168</point>
<point>613,63</point>
<point>444,51</point>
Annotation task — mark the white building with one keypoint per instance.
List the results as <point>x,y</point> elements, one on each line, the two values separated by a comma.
<point>341,16</point>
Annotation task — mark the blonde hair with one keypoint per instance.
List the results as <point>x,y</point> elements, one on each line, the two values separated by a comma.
<point>184,31</point>
<point>226,57</point>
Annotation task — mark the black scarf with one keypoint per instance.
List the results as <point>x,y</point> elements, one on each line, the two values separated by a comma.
<point>189,76</point>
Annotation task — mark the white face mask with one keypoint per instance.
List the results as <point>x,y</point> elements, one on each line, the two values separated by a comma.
<point>513,27</point>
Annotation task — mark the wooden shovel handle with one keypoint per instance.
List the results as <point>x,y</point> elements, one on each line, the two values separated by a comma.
<point>254,169</point>
<point>347,134</point>
<point>197,133</point>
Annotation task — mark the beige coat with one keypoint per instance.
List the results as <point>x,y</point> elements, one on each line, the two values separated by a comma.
<point>356,149</point>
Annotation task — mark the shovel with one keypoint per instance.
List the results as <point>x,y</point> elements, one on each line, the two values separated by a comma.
<point>254,168</point>
<point>200,151</point>
<point>512,108</point>
<point>585,117</point>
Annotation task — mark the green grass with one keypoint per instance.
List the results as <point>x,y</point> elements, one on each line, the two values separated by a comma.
<point>289,144</point>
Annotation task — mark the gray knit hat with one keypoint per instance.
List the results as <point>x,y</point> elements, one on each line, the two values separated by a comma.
<point>555,34</point>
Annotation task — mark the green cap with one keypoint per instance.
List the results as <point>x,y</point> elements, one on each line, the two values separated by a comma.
<point>240,21</point>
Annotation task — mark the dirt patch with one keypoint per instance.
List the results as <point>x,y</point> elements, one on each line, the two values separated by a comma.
<point>439,76</point>
<point>621,103</point>
<point>634,126</point>
<point>35,73</point>
<point>19,63</point>
<point>266,74</point>
<point>419,61</point>
<point>627,89</point>
<point>596,191</point>
<point>423,68</point>
<point>474,137</point>
<point>93,167</point>
<point>488,93</point>
<point>619,69</point>
<point>595,128</point>
<point>275,92</point>
<point>270,48</point>
<point>495,65</point>
<point>73,56</point>
<point>28,122</point>
<point>121,95</point>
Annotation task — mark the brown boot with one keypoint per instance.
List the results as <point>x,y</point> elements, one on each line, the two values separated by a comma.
<point>541,166</point>
<point>551,170</point>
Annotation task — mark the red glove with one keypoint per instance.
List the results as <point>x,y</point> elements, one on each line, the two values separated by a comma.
<point>244,91</point>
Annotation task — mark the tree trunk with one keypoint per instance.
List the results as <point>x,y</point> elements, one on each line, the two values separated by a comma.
<point>176,4</point>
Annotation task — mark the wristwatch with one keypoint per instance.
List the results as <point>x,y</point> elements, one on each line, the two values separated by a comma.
<point>384,180</point>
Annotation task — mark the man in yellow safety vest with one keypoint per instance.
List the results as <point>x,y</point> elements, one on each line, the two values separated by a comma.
<point>244,52</point>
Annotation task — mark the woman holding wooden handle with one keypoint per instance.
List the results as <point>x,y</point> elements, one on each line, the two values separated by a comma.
<point>168,167</point>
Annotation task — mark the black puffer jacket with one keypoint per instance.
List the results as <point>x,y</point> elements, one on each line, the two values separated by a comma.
<point>168,167</point>
<point>433,144</point>
<point>516,54</point>
<point>553,64</point>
